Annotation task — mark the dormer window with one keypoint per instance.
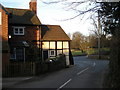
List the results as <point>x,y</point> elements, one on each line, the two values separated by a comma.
<point>18,30</point>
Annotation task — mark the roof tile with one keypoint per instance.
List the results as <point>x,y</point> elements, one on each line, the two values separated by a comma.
<point>23,16</point>
<point>53,32</point>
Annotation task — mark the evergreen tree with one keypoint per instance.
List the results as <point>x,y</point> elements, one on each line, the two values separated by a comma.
<point>110,14</point>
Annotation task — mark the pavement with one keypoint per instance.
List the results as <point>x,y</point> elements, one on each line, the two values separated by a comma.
<point>11,81</point>
<point>7,82</point>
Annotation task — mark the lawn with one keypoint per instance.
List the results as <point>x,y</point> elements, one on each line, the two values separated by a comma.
<point>95,51</point>
<point>78,52</point>
<point>91,51</point>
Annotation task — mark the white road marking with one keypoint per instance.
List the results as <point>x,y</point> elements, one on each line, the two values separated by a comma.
<point>94,64</point>
<point>82,71</point>
<point>64,84</point>
<point>28,78</point>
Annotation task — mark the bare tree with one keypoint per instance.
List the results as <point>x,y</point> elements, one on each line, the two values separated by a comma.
<point>80,7</point>
<point>79,41</point>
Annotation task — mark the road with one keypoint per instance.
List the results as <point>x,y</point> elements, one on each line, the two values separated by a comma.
<point>86,73</point>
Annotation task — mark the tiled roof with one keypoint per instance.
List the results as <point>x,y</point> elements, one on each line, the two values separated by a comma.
<point>1,7</point>
<point>23,16</point>
<point>53,32</point>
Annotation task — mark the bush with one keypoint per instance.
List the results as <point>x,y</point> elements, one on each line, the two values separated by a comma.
<point>56,63</point>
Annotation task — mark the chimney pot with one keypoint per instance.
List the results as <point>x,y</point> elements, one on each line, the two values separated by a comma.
<point>33,1</point>
<point>33,6</point>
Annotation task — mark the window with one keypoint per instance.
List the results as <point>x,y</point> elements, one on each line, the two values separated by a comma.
<point>52,45</point>
<point>59,52</point>
<point>18,30</point>
<point>20,54</point>
<point>45,45</point>
<point>66,51</point>
<point>13,54</point>
<point>52,53</point>
<point>59,45</point>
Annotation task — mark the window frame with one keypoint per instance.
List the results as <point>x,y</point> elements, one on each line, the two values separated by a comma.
<point>14,54</point>
<point>51,53</point>
<point>18,30</point>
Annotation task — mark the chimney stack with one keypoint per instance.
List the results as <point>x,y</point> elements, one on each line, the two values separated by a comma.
<point>33,6</point>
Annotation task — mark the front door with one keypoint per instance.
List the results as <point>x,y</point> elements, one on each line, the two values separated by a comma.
<point>45,54</point>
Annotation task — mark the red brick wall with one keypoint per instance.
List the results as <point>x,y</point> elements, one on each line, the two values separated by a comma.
<point>33,6</point>
<point>31,33</point>
<point>4,26</point>
<point>4,35</point>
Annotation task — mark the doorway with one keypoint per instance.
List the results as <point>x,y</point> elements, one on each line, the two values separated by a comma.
<point>45,54</point>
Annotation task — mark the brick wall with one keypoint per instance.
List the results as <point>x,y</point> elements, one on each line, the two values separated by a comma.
<point>33,6</point>
<point>31,34</point>
<point>4,36</point>
<point>4,26</point>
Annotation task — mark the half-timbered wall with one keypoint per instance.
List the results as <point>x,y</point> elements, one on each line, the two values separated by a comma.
<point>55,48</point>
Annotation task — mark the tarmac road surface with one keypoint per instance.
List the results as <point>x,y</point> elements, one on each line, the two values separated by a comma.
<point>86,73</point>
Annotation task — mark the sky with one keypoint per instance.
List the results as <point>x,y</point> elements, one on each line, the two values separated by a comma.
<point>54,14</point>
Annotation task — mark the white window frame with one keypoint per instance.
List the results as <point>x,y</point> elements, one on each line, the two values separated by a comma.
<point>23,28</point>
<point>14,54</point>
<point>51,53</point>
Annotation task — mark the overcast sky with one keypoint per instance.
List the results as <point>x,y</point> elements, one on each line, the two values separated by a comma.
<point>53,14</point>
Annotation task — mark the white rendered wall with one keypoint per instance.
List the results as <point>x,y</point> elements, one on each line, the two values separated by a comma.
<point>59,52</point>
<point>65,44</point>
<point>66,51</point>
<point>67,61</point>
<point>45,45</point>
<point>51,45</point>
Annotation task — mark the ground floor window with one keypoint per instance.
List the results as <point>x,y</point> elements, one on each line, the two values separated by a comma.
<point>13,53</point>
<point>54,48</point>
<point>18,54</point>
<point>59,52</point>
<point>52,52</point>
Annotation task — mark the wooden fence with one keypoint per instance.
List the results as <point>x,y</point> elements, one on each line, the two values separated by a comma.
<point>14,69</point>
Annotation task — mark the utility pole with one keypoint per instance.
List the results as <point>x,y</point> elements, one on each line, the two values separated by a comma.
<point>99,35</point>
